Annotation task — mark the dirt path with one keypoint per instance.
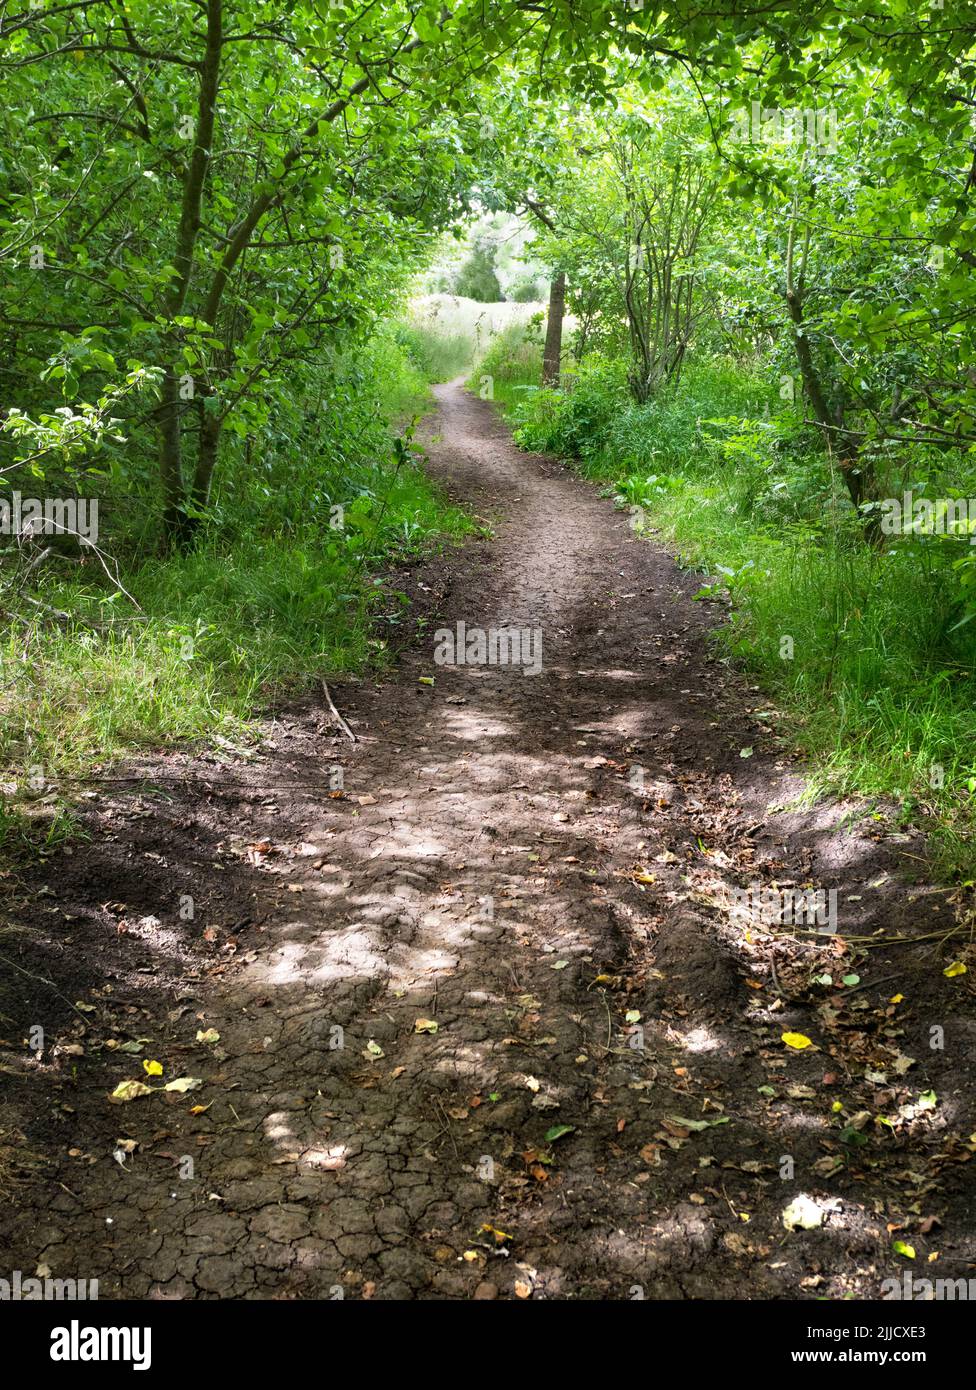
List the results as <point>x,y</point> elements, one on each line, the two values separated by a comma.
<point>539,864</point>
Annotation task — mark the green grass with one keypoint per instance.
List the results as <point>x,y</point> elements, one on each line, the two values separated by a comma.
<point>876,681</point>
<point>272,598</point>
<point>869,679</point>
<point>445,335</point>
<point>511,368</point>
<point>439,356</point>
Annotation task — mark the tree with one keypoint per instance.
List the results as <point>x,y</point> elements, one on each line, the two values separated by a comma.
<point>477,279</point>
<point>221,190</point>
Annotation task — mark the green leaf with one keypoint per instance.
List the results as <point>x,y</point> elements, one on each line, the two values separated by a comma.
<point>557,1132</point>
<point>698,1125</point>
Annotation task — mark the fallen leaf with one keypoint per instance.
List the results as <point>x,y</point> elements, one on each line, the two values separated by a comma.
<point>803,1213</point>
<point>557,1132</point>
<point>130,1090</point>
<point>500,1237</point>
<point>542,1102</point>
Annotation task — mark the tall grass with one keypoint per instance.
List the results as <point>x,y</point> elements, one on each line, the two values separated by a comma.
<point>446,334</point>
<point>285,586</point>
<point>860,647</point>
<point>439,356</point>
<point>511,365</point>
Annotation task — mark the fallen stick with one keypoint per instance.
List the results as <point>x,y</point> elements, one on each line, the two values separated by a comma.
<point>338,717</point>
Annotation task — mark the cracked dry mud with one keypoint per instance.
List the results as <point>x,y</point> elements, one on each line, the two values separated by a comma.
<point>482,869</point>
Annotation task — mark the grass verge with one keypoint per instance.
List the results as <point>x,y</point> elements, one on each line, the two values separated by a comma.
<point>861,648</point>
<point>286,588</point>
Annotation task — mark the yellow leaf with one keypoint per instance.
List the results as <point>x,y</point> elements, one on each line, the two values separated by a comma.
<point>500,1236</point>
<point>956,968</point>
<point>153,1068</point>
<point>896,999</point>
<point>130,1090</point>
<point>901,1247</point>
<point>797,1040</point>
<point>425,1025</point>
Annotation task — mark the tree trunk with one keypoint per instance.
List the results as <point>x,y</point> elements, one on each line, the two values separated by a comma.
<point>170,457</point>
<point>552,354</point>
<point>171,444</point>
<point>210,426</point>
<point>854,469</point>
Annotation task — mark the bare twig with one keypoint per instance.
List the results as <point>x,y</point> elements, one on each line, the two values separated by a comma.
<point>338,717</point>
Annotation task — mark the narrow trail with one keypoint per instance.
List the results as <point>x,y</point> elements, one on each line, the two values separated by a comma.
<point>536,863</point>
